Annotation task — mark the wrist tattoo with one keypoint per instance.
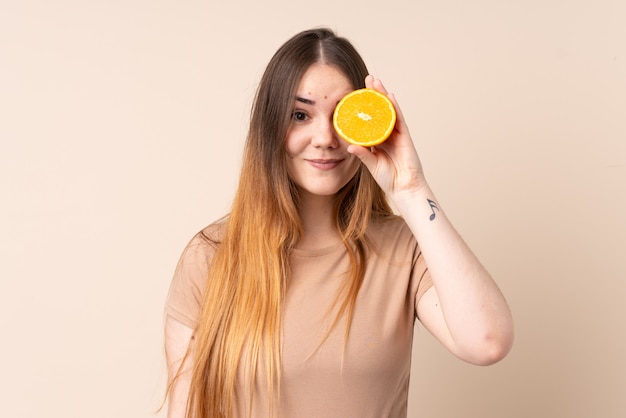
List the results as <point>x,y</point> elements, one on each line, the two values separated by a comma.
<point>433,206</point>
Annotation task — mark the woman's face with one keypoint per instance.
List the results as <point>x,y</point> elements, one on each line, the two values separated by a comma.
<point>317,160</point>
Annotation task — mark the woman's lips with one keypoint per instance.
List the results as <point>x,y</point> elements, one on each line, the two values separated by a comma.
<point>325,164</point>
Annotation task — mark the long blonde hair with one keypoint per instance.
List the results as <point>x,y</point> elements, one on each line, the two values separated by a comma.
<point>242,305</point>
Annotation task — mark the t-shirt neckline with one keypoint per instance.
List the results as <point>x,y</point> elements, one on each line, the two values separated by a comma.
<point>318,251</point>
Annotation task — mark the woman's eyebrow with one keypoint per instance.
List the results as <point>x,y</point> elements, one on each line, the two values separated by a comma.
<point>305,101</point>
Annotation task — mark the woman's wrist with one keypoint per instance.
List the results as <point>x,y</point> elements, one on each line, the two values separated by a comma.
<point>412,191</point>
<point>417,204</point>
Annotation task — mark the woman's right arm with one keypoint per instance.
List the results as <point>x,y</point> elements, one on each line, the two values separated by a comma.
<point>182,310</point>
<point>177,339</point>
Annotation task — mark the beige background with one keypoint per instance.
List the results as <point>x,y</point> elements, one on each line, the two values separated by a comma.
<point>121,127</point>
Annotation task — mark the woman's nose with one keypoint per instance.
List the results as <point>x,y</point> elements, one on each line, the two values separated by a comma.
<point>325,135</point>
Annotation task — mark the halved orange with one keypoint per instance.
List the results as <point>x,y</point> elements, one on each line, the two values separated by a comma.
<point>364,117</point>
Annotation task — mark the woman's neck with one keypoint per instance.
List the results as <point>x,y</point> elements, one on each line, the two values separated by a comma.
<point>318,222</point>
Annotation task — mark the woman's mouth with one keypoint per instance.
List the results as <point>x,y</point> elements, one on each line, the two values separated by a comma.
<point>325,164</point>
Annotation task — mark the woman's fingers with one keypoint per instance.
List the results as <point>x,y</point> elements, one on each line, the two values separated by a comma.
<point>372,82</point>
<point>365,155</point>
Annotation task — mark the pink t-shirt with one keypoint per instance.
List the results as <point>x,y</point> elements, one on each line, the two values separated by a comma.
<point>369,379</point>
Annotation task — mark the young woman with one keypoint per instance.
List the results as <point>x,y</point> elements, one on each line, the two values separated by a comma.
<point>302,301</point>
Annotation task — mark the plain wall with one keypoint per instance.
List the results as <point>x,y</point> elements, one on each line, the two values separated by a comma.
<point>121,129</point>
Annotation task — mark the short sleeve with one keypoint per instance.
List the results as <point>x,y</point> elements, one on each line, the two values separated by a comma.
<point>184,298</point>
<point>425,281</point>
<point>422,275</point>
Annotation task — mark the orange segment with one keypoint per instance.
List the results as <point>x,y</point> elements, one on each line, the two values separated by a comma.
<point>364,117</point>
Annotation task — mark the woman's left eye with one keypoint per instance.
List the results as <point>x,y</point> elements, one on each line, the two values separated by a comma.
<point>299,116</point>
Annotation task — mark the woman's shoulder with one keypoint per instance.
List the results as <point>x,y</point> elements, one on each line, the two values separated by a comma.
<point>212,234</point>
<point>203,244</point>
